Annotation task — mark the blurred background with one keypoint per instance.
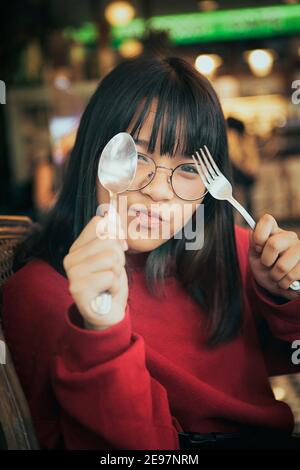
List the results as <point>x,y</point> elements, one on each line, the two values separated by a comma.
<point>53,53</point>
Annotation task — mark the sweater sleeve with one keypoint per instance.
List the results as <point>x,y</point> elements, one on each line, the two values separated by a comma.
<point>107,396</point>
<point>282,316</point>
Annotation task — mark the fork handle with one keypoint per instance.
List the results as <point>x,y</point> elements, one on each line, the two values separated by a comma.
<point>243,212</point>
<point>296,284</point>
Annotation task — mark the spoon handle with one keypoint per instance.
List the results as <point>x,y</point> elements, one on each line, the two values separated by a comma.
<point>112,210</point>
<point>102,303</point>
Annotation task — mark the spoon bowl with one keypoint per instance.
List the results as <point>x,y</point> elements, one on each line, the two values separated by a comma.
<point>117,164</point>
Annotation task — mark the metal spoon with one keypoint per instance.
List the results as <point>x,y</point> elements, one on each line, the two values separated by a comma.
<point>116,171</point>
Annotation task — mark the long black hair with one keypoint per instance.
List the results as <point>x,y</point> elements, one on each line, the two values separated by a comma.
<point>188,107</point>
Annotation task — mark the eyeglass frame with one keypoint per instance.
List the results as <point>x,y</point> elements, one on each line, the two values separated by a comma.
<point>170,180</point>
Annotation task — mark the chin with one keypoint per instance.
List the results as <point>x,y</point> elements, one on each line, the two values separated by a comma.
<point>143,245</point>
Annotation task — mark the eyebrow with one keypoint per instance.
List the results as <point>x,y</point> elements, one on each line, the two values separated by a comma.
<point>142,142</point>
<point>145,144</point>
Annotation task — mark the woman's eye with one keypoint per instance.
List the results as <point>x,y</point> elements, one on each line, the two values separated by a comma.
<point>191,169</point>
<point>142,158</point>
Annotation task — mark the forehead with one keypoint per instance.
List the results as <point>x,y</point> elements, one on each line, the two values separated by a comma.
<point>146,128</point>
<point>142,134</point>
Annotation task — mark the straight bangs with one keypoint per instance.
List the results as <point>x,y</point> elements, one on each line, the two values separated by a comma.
<point>184,118</point>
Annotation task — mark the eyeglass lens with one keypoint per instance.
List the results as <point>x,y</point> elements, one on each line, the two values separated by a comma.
<point>185,179</point>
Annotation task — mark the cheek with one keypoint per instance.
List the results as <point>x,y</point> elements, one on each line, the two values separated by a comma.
<point>102,194</point>
<point>182,215</point>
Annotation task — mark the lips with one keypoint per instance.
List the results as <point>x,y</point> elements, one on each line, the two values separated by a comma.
<point>146,221</point>
<point>151,215</point>
<point>147,213</point>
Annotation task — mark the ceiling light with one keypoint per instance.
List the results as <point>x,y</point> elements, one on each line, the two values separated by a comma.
<point>260,61</point>
<point>119,13</point>
<point>131,48</point>
<point>207,64</point>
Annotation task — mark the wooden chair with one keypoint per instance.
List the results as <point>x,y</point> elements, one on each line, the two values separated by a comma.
<point>16,427</point>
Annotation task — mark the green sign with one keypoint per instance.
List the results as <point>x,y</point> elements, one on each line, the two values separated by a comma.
<point>86,34</point>
<point>197,27</point>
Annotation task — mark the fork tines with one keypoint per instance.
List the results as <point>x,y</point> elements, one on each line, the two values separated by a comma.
<point>208,168</point>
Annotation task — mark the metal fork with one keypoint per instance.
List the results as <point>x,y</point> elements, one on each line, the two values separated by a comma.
<point>220,188</point>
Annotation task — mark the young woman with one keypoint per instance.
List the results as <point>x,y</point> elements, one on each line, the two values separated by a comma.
<point>179,352</point>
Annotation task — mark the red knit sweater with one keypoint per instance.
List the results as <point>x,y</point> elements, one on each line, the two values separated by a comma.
<point>136,384</point>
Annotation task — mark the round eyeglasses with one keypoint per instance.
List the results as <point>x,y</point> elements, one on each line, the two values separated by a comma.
<point>184,178</point>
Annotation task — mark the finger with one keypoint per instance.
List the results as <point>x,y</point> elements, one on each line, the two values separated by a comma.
<point>265,227</point>
<point>88,234</point>
<point>107,281</point>
<point>277,244</point>
<point>95,284</point>
<point>286,263</point>
<point>113,260</point>
<point>291,276</point>
<point>92,248</point>
<point>97,228</point>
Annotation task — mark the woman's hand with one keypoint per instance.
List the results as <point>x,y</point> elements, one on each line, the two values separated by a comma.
<point>95,265</point>
<point>274,257</point>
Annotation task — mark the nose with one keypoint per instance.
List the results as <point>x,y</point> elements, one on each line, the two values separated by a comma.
<point>160,187</point>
